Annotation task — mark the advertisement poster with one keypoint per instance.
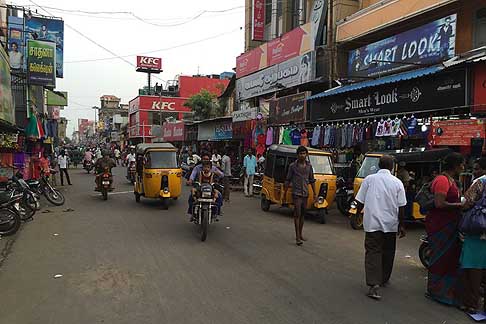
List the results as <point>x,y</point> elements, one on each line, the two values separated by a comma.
<point>50,30</point>
<point>57,98</point>
<point>428,44</point>
<point>457,132</point>
<point>290,108</point>
<point>41,63</point>
<point>173,132</point>
<point>223,131</point>
<point>298,70</point>
<point>438,91</point>
<point>6,103</point>
<point>258,31</point>
<point>16,48</point>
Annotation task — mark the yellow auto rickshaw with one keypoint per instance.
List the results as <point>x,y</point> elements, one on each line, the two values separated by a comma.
<point>157,173</point>
<point>420,165</point>
<point>277,162</point>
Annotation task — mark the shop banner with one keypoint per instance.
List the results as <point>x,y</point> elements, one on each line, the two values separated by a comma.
<point>245,114</point>
<point>16,48</point>
<point>258,26</point>
<point>318,21</point>
<point>223,131</point>
<point>41,63</point>
<point>457,132</point>
<point>57,98</point>
<point>428,44</point>
<point>50,30</point>
<point>173,132</point>
<point>6,102</point>
<point>296,42</point>
<point>479,89</point>
<point>215,130</point>
<point>439,91</point>
<point>287,109</point>
<point>293,72</point>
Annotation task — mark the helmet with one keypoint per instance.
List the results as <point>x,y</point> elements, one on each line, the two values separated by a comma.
<point>106,153</point>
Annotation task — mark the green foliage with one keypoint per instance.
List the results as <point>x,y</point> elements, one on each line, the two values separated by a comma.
<point>204,105</point>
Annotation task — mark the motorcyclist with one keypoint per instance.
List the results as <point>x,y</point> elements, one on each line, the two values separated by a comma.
<point>131,157</point>
<point>101,164</point>
<point>88,157</point>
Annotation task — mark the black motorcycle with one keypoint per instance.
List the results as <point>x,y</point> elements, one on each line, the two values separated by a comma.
<point>29,203</point>
<point>10,218</point>
<point>344,196</point>
<point>204,208</point>
<point>44,187</point>
<point>88,166</point>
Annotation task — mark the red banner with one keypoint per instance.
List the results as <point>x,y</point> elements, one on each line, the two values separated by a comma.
<point>169,104</point>
<point>258,27</point>
<point>251,61</point>
<point>173,132</point>
<point>149,63</point>
<point>457,132</point>
<point>285,47</point>
<point>479,90</point>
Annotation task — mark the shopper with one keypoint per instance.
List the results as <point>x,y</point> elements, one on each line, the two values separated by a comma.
<point>473,255</point>
<point>63,167</point>
<point>300,175</point>
<point>441,224</point>
<point>226,166</point>
<point>382,195</point>
<point>249,165</point>
<point>216,159</point>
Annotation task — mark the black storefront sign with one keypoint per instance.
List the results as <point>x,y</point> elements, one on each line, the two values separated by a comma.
<point>288,109</point>
<point>434,92</point>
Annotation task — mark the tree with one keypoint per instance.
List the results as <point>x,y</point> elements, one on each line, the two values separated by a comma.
<point>204,105</point>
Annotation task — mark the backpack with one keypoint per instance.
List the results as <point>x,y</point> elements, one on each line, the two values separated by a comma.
<point>425,198</point>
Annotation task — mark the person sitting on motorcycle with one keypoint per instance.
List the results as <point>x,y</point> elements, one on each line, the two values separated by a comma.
<point>101,165</point>
<point>129,159</point>
<point>195,175</point>
<point>205,176</point>
<point>88,157</point>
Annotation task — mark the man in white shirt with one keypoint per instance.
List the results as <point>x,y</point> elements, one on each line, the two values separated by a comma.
<point>226,167</point>
<point>384,200</point>
<point>62,160</point>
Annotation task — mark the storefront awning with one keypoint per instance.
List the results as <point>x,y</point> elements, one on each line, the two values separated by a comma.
<point>373,83</point>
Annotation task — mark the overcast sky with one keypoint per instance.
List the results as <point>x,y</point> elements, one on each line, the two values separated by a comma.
<point>126,36</point>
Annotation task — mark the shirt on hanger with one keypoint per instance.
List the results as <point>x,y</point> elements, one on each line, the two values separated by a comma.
<point>269,139</point>
<point>304,141</point>
<point>286,137</point>
<point>295,136</point>
<point>380,129</point>
<point>395,129</point>
<point>315,136</point>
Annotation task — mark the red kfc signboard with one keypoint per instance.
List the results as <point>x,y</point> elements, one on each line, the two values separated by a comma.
<point>169,104</point>
<point>149,63</point>
<point>258,31</point>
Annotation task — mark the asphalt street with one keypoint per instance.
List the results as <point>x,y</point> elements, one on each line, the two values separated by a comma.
<point>117,261</point>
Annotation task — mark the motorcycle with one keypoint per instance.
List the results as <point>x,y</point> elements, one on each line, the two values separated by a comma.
<point>29,203</point>
<point>257,183</point>
<point>106,179</point>
<point>424,251</point>
<point>344,196</point>
<point>88,166</point>
<point>131,172</point>
<point>10,218</point>
<point>204,208</point>
<point>44,187</point>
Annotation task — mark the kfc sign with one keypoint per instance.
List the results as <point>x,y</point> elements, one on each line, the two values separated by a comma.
<point>163,105</point>
<point>149,63</point>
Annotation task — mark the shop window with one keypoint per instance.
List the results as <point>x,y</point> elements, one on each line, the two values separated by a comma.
<point>480,28</point>
<point>268,11</point>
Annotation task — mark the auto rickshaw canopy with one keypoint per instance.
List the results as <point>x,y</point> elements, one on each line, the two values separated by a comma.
<point>143,148</point>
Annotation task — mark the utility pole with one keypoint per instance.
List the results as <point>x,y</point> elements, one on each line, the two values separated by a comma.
<point>330,42</point>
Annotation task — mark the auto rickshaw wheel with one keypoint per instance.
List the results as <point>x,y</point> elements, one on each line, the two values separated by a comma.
<point>137,197</point>
<point>322,215</point>
<point>356,221</point>
<point>265,204</point>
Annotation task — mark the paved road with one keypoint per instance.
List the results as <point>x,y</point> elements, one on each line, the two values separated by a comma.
<point>123,262</point>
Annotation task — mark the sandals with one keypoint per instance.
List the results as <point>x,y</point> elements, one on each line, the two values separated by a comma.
<point>373,293</point>
<point>298,242</point>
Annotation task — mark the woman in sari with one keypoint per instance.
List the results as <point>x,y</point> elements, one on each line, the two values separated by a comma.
<point>473,256</point>
<point>443,284</point>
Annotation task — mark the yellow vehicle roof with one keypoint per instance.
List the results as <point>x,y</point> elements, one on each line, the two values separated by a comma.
<point>292,149</point>
<point>142,148</point>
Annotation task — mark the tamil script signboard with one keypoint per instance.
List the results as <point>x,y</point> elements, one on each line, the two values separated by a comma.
<point>428,44</point>
<point>41,63</point>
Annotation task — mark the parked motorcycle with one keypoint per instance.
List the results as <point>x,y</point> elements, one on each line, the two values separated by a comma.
<point>44,187</point>
<point>204,208</point>
<point>9,217</point>
<point>131,172</point>
<point>344,196</point>
<point>257,183</point>
<point>105,183</point>
<point>29,203</point>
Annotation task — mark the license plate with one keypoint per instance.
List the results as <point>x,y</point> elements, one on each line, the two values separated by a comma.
<point>205,200</point>
<point>353,211</point>
<point>106,182</point>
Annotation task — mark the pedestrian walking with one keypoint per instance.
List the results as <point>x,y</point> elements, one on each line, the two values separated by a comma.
<point>384,200</point>
<point>473,255</point>
<point>249,165</point>
<point>216,159</point>
<point>226,166</point>
<point>441,224</point>
<point>300,175</point>
<point>62,160</point>
<point>117,154</point>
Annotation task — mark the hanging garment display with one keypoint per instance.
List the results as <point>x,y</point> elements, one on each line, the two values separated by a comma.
<point>269,139</point>
<point>304,141</point>
<point>380,129</point>
<point>286,137</point>
<point>315,136</point>
<point>295,136</point>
